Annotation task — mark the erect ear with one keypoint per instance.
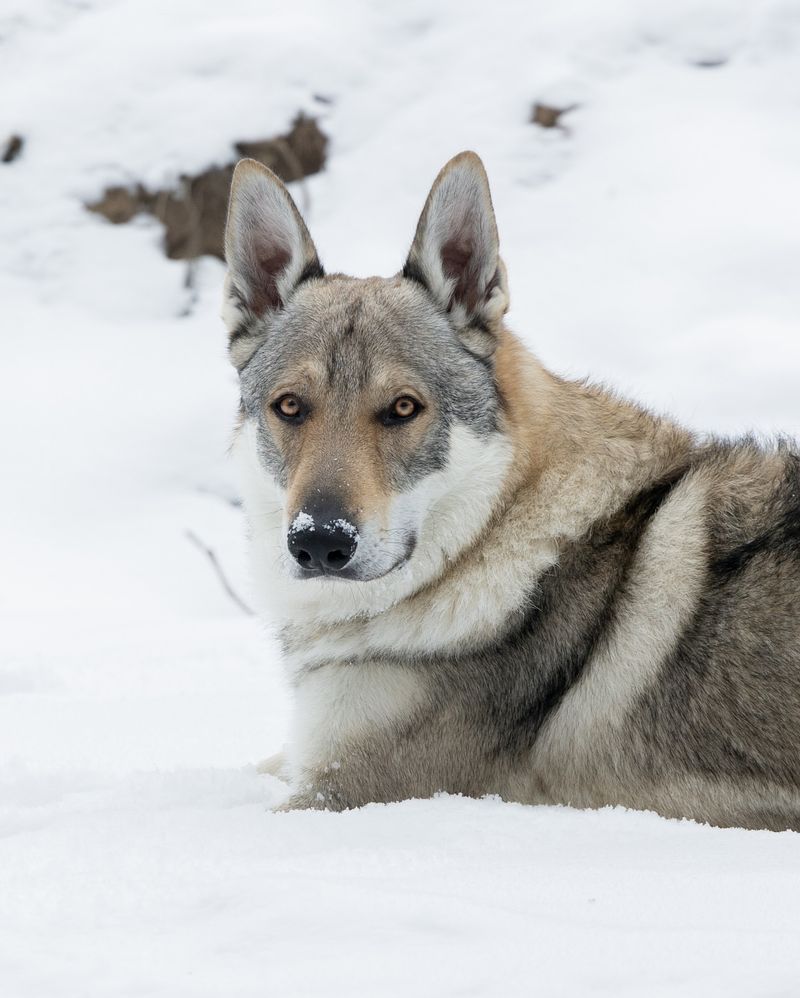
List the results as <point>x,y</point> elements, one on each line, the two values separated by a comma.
<point>268,251</point>
<point>455,253</point>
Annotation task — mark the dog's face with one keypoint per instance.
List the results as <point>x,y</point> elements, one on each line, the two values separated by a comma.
<point>359,395</point>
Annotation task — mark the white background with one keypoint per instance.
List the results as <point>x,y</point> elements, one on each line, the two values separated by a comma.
<point>652,244</point>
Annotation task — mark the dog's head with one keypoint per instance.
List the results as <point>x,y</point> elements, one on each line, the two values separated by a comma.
<point>370,411</point>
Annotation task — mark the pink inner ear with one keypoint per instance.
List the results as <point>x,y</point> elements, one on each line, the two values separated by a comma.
<point>270,262</point>
<point>459,262</point>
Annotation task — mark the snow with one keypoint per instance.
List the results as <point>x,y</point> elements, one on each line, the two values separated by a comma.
<point>653,242</point>
<point>303,521</point>
<point>347,528</point>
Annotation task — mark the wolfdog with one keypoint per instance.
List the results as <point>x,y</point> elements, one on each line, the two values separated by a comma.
<point>489,579</point>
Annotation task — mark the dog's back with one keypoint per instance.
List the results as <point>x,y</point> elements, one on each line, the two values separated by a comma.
<point>670,676</point>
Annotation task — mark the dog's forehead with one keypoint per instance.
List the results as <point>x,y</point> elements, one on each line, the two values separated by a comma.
<point>355,330</point>
<point>361,308</point>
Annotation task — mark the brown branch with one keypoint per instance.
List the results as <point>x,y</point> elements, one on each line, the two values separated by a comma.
<point>208,552</point>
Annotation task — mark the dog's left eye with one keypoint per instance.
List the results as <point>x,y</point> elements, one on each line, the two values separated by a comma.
<point>289,408</point>
<point>401,410</point>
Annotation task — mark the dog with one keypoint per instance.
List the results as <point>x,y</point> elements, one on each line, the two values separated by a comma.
<point>489,580</point>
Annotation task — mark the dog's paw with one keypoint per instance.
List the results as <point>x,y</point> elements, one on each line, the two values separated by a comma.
<point>301,802</point>
<point>310,799</point>
<point>276,765</point>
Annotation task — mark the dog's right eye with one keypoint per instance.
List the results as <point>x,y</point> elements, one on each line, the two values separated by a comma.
<point>289,408</point>
<point>402,410</point>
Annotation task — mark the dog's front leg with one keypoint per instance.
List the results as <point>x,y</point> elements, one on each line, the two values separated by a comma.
<point>346,733</point>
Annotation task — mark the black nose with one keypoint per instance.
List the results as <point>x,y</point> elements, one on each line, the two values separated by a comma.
<point>323,547</point>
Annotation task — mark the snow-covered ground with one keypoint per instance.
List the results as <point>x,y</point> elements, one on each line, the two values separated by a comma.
<point>653,243</point>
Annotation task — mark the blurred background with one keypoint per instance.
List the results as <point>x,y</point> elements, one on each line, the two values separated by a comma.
<point>645,166</point>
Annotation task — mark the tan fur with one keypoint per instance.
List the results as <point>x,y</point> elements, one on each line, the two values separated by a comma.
<point>526,390</point>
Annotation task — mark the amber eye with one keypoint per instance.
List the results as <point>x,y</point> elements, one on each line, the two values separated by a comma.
<point>288,407</point>
<point>402,410</point>
<point>404,407</point>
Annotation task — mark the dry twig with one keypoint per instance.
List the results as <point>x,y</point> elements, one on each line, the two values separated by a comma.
<point>209,553</point>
